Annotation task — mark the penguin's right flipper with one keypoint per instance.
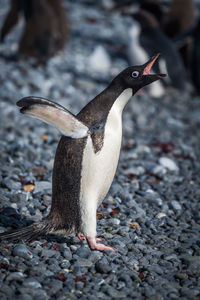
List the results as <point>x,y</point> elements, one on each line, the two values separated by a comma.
<point>53,114</point>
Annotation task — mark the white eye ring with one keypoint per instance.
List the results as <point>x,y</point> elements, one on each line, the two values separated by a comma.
<point>135,74</point>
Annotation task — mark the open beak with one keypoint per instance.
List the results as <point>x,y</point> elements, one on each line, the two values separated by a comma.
<point>147,67</point>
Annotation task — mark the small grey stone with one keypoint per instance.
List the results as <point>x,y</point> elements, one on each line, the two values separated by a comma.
<point>19,197</point>
<point>193,263</point>
<point>41,186</point>
<point>80,285</point>
<point>131,203</point>
<point>156,297</point>
<point>181,275</point>
<point>3,296</point>
<point>135,170</point>
<point>55,286</point>
<point>3,197</point>
<point>22,251</point>
<point>73,247</point>
<point>83,262</point>
<point>67,254</point>
<point>49,273</point>
<point>69,296</point>
<point>175,205</point>
<point>95,256</point>
<point>83,252</point>
<point>114,221</point>
<point>31,283</point>
<point>24,297</point>
<point>7,290</point>
<point>170,257</point>
<point>15,276</point>
<point>158,170</point>
<point>102,267</point>
<point>40,294</point>
<point>11,184</point>
<point>190,293</point>
<point>48,253</point>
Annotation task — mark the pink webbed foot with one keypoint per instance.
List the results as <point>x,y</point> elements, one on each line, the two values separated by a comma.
<point>81,237</point>
<point>101,247</point>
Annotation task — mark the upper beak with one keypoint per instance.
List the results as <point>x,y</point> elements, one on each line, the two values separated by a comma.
<point>147,67</point>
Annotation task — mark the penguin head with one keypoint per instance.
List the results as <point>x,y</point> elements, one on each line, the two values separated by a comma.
<point>138,76</point>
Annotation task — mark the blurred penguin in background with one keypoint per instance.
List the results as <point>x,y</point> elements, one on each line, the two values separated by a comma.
<point>160,26</point>
<point>180,18</point>
<point>146,39</point>
<point>45,31</point>
<point>182,24</point>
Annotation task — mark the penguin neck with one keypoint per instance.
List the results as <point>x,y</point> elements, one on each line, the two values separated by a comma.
<point>115,93</point>
<point>98,109</point>
<point>122,99</point>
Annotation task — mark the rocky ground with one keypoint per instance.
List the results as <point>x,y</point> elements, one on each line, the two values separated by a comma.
<point>152,212</point>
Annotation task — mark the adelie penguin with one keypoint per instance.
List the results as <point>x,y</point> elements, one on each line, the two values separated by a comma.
<point>87,156</point>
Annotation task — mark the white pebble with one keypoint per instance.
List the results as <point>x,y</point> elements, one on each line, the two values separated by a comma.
<point>161,215</point>
<point>99,60</point>
<point>168,163</point>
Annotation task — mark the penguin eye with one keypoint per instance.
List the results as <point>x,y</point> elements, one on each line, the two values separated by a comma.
<point>135,74</point>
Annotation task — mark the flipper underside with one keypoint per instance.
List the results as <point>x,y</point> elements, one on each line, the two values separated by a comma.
<point>53,114</point>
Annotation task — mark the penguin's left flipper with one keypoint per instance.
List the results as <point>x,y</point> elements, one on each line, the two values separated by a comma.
<point>53,114</point>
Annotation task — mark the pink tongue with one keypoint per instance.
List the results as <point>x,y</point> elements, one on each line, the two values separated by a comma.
<point>149,66</point>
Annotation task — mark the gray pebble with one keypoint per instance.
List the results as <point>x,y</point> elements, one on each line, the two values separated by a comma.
<point>83,252</point>
<point>41,186</point>
<point>15,276</point>
<point>67,254</point>
<point>11,184</point>
<point>95,256</point>
<point>175,205</point>
<point>102,267</point>
<point>83,262</point>
<point>114,221</point>
<point>22,251</point>
<point>31,283</point>
<point>24,297</point>
<point>156,297</point>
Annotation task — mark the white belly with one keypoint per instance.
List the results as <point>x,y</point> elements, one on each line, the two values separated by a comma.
<point>98,169</point>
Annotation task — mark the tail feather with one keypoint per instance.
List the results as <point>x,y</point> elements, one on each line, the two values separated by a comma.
<point>27,233</point>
